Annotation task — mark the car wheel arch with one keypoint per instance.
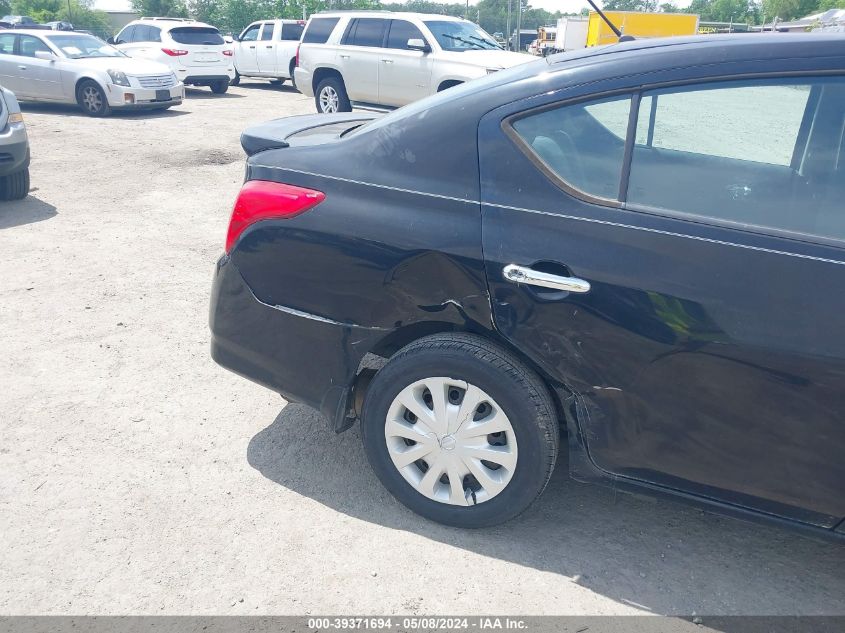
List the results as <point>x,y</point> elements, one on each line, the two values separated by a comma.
<point>449,83</point>
<point>389,345</point>
<point>325,72</point>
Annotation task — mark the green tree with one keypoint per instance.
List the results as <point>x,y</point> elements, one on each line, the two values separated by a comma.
<point>789,9</point>
<point>161,8</point>
<point>826,5</point>
<point>630,5</point>
<point>669,7</point>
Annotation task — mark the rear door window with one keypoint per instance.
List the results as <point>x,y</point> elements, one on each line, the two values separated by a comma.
<point>196,35</point>
<point>267,32</point>
<point>400,32</point>
<point>366,32</point>
<point>581,144</point>
<point>760,153</point>
<point>292,31</point>
<point>319,30</point>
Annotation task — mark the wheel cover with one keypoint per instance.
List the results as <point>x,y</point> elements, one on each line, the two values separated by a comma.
<point>451,441</point>
<point>329,100</point>
<point>92,99</point>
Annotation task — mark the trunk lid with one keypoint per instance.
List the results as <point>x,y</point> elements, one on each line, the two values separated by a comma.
<point>309,129</point>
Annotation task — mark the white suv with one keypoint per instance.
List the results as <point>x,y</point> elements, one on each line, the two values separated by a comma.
<point>196,52</point>
<point>380,59</point>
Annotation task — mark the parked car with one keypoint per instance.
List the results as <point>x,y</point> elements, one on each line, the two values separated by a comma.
<point>20,21</point>
<point>384,60</point>
<point>70,67</point>
<point>60,25</point>
<point>627,244</point>
<point>14,149</point>
<point>194,51</point>
<point>267,49</point>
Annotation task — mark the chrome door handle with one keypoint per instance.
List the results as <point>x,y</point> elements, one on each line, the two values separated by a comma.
<point>344,56</point>
<point>387,61</point>
<point>21,67</point>
<point>531,277</point>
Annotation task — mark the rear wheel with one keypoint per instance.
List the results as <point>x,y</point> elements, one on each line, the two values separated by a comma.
<point>15,186</point>
<point>460,431</point>
<point>92,99</point>
<point>219,87</point>
<point>235,80</point>
<point>330,96</point>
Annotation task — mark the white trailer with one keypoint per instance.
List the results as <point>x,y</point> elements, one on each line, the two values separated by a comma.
<point>571,34</point>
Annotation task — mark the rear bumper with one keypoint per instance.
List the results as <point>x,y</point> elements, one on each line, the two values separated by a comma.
<point>14,149</point>
<point>303,81</point>
<point>304,357</point>
<point>202,76</point>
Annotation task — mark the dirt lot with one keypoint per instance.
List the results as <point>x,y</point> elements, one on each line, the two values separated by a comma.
<point>138,477</point>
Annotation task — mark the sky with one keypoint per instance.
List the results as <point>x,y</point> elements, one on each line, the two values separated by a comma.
<point>565,6</point>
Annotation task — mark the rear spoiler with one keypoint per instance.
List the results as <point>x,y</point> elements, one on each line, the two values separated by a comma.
<point>274,134</point>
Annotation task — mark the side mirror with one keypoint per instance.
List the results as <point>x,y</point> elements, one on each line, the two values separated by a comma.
<point>416,44</point>
<point>48,55</point>
<point>111,41</point>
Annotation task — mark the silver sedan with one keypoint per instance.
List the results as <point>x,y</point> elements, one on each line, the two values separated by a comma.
<point>68,67</point>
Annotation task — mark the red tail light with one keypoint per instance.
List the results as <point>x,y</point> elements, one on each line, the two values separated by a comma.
<point>174,52</point>
<point>264,200</point>
<point>228,53</point>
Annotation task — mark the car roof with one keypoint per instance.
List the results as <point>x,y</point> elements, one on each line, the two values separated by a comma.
<point>171,23</point>
<point>388,14</point>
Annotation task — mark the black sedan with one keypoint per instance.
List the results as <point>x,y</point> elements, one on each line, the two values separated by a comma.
<point>637,248</point>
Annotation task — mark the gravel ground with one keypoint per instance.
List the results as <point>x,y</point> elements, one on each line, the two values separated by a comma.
<point>138,477</point>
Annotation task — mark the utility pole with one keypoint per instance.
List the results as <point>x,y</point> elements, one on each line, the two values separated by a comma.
<point>508,33</point>
<point>518,25</point>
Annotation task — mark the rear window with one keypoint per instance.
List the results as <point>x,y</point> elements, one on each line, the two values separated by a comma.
<point>196,35</point>
<point>292,31</point>
<point>318,30</point>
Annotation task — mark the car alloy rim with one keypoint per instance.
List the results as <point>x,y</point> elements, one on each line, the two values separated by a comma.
<point>328,99</point>
<point>91,98</point>
<point>451,441</point>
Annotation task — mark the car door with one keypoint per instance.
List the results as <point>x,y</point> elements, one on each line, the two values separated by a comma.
<point>41,77</point>
<point>246,50</point>
<point>266,53</point>
<point>404,74</point>
<point>675,258</point>
<point>10,74</point>
<point>359,58</point>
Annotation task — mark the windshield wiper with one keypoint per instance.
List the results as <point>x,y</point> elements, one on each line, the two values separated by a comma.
<point>460,39</point>
<point>487,42</point>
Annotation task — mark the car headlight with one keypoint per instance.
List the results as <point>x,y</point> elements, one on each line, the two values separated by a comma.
<point>118,77</point>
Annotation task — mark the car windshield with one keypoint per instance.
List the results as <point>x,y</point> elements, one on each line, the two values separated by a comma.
<point>79,46</point>
<point>461,36</point>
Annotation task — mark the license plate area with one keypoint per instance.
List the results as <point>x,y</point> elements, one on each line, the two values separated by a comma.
<point>206,58</point>
<point>162,95</point>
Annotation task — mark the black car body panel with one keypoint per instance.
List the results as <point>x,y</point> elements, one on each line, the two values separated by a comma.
<point>426,205</point>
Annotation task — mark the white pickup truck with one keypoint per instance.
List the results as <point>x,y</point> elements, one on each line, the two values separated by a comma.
<point>267,49</point>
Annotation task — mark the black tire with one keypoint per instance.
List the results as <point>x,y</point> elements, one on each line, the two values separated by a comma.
<point>15,186</point>
<point>236,80</point>
<point>278,81</point>
<point>517,389</point>
<point>219,87</point>
<point>335,84</point>
<point>92,99</point>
